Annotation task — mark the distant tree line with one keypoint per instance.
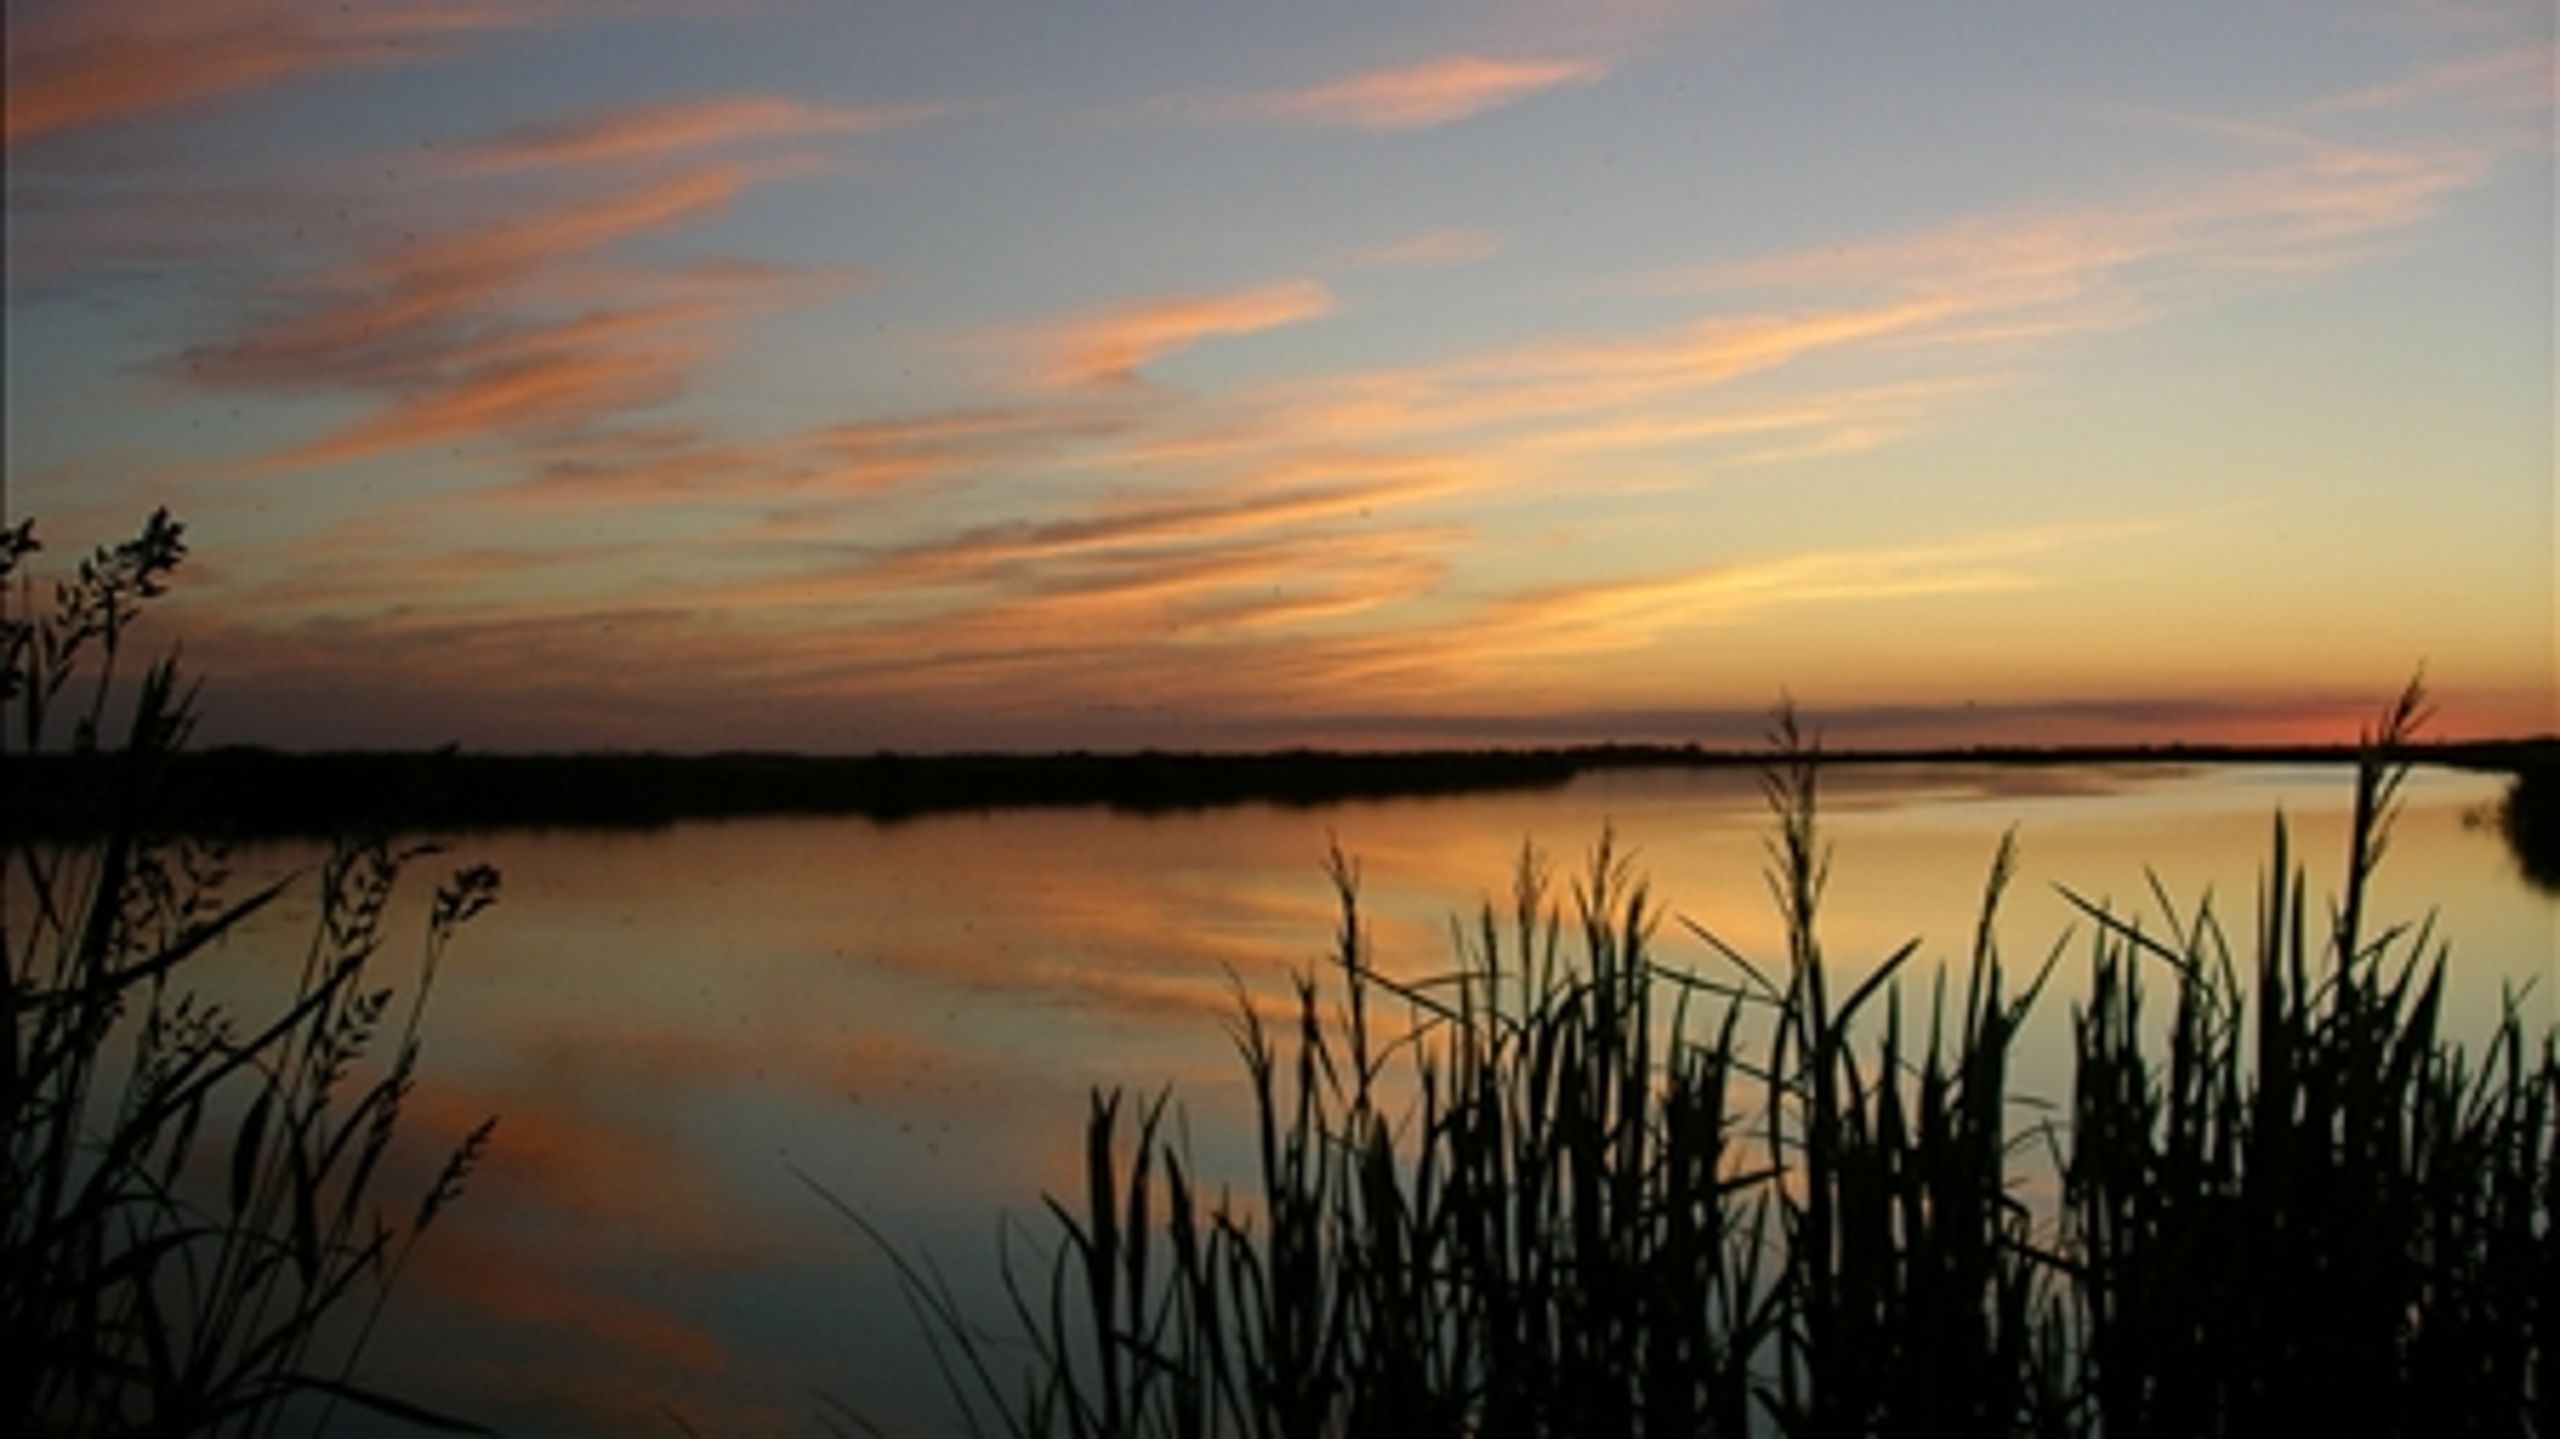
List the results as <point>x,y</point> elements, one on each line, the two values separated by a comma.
<point>245,792</point>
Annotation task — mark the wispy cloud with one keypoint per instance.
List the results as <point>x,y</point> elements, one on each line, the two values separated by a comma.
<point>367,568</point>
<point>1616,614</point>
<point>2032,276</point>
<point>683,464</point>
<point>98,61</point>
<point>1185,519</point>
<point>540,380</point>
<point>1443,248</point>
<point>508,330</point>
<point>373,318</point>
<point>651,132</point>
<point>993,616</point>
<point>1113,579</point>
<point>2517,78</point>
<point>1412,97</point>
<point>1821,422</point>
<point>1111,344</point>
<point>1325,542</point>
<point>521,315</point>
<point>1519,649</point>
<point>1496,402</point>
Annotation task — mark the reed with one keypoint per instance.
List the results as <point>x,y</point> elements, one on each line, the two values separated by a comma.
<point>189,1234</point>
<point>2314,1209</point>
<point>1565,1188</point>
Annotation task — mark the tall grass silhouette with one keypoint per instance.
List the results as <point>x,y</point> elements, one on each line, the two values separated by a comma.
<point>1567,1189</point>
<point>189,1234</point>
<point>2529,817</point>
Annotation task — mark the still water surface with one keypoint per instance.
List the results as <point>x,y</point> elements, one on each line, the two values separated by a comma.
<point>668,1023</point>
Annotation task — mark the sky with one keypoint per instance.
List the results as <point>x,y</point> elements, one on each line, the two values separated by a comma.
<point>848,376</point>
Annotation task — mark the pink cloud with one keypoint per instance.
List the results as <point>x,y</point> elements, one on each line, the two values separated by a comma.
<point>510,330</point>
<point>105,60</point>
<point>2032,276</point>
<point>1411,97</point>
<point>682,464</point>
<point>647,132</point>
<point>1444,248</point>
<point>1210,516</point>
<point>544,379</point>
<point>370,318</point>
<point>1111,344</point>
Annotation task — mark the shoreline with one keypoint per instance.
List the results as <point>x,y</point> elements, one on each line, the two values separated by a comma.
<point>248,793</point>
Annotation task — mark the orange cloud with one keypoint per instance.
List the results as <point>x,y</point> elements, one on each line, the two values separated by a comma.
<point>1182,520</point>
<point>871,455</point>
<point>893,625</point>
<point>681,464</point>
<point>542,380</point>
<point>105,60</point>
<point>1872,413</point>
<point>425,603</point>
<point>504,331</point>
<point>1499,404</point>
<point>1434,92</point>
<point>1133,625</point>
<point>1632,613</point>
<point>1110,345</point>
<point>1521,644</point>
<point>1707,351</point>
<point>1126,627</point>
<point>646,132</point>
<point>370,319</point>
<point>1271,561</point>
<point>1121,599</point>
<point>1252,579</point>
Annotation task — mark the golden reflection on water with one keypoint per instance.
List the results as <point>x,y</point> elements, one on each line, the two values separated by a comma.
<point>669,1022</point>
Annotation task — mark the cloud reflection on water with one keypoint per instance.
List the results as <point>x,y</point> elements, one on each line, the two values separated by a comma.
<point>668,1022</point>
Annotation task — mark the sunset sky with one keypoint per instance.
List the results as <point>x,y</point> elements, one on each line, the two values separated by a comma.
<point>846,376</point>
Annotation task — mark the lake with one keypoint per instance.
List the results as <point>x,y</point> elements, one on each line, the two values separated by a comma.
<point>673,1024</point>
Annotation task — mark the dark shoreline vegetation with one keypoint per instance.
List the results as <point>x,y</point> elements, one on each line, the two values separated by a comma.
<point>251,793</point>
<point>1557,1193</point>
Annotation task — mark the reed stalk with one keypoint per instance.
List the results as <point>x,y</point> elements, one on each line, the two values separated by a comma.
<point>1601,1195</point>
<point>189,1234</point>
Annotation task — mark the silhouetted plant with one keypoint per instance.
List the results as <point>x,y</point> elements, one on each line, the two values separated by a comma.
<point>1561,1197</point>
<point>2529,817</point>
<point>188,1235</point>
<point>2317,1213</point>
